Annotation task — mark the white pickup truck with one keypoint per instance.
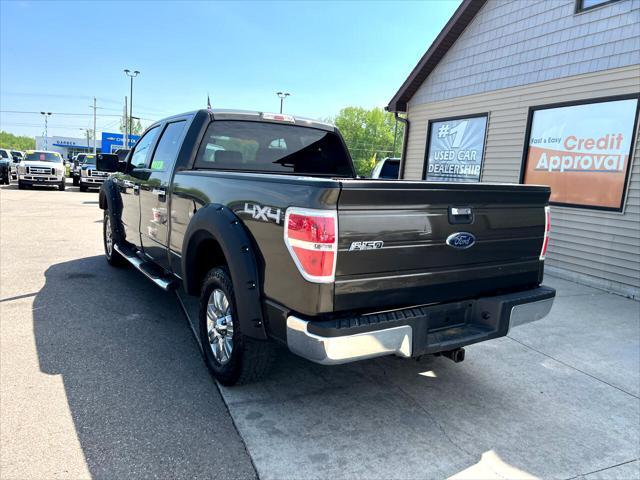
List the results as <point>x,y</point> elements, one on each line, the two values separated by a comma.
<point>40,167</point>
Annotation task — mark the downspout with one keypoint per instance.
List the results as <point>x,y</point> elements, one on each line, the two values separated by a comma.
<point>405,137</point>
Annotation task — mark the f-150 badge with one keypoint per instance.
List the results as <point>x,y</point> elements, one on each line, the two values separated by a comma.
<point>370,245</point>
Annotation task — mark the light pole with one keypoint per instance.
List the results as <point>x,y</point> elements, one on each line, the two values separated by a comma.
<point>46,116</point>
<point>282,96</point>
<point>86,131</point>
<point>131,75</point>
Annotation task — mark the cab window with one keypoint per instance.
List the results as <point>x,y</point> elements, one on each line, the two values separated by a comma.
<point>168,146</point>
<point>142,148</point>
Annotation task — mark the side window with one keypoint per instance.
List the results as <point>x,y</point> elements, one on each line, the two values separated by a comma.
<point>165,155</point>
<point>141,150</point>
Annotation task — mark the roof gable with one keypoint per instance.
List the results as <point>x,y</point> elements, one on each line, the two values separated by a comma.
<point>440,46</point>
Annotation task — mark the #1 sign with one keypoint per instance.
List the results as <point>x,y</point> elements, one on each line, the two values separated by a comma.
<point>456,149</point>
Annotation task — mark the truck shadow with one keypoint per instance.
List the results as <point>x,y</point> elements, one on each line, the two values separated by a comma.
<point>141,399</point>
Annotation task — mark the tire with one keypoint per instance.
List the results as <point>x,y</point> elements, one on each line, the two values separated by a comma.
<point>249,359</point>
<point>83,188</point>
<point>76,181</point>
<point>113,258</point>
<point>62,186</point>
<point>21,186</point>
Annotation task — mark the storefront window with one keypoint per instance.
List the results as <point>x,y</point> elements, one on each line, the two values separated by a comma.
<point>583,151</point>
<point>455,149</point>
<point>589,4</point>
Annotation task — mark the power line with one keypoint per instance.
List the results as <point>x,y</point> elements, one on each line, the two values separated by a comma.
<point>73,114</point>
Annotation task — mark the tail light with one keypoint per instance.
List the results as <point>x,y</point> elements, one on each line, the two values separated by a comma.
<point>312,239</point>
<point>547,229</point>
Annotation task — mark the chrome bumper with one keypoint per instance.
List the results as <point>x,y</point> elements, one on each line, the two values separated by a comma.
<point>348,348</point>
<point>397,340</point>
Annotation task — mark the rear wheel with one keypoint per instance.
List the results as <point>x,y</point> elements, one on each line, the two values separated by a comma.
<point>76,181</point>
<point>232,357</point>
<point>112,256</point>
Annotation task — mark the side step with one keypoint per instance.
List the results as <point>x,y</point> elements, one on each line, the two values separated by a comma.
<point>148,269</point>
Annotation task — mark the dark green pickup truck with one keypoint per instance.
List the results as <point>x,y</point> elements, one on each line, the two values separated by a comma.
<point>263,218</point>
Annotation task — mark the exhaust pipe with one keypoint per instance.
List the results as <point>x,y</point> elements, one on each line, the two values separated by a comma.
<point>456,355</point>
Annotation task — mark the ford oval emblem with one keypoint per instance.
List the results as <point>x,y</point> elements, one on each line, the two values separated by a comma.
<point>461,240</point>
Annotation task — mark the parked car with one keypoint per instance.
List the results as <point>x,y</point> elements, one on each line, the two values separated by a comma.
<point>280,240</point>
<point>40,167</point>
<point>387,168</point>
<point>78,161</point>
<point>5,166</point>
<point>18,156</point>
<point>90,177</point>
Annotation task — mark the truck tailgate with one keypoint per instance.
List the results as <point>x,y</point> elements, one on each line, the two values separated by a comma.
<point>393,250</point>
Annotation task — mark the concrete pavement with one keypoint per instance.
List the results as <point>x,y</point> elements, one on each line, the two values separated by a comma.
<point>100,377</point>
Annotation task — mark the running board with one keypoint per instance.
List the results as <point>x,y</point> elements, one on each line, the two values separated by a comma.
<point>147,268</point>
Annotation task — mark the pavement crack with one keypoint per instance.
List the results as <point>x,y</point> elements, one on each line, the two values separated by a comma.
<point>573,368</point>
<point>604,469</point>
<point>421,407</point>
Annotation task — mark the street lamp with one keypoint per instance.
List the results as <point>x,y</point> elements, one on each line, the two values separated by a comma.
<point>282,96</point>
<point>87,131</point>
<point>46,116</point>
<point>131,75</point>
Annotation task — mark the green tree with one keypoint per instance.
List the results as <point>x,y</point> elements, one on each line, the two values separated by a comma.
<point>369,135</point>
<point>136,126</point>
<point>16,142</point>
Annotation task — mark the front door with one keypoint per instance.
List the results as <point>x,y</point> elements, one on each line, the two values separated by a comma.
<point>129,185</point>
<point>155,193</point>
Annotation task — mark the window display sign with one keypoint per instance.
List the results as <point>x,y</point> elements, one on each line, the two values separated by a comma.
<point>455,149</point>
<point>582,151</point>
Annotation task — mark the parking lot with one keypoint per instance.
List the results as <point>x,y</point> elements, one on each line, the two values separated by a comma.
<point>101,377</point>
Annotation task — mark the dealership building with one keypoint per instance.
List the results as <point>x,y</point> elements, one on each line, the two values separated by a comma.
<point>540,92</point>
<point>70,146</point>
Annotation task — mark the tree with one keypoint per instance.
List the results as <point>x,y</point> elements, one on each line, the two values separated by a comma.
<point>16,142</point>
<point>136,126</point>
<point>369,135</point>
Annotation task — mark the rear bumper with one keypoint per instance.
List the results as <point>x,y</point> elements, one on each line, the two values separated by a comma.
<point>416,331</point>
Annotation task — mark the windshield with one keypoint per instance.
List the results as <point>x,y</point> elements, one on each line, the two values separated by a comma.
<point>88,160</point>
<point>43,157</point>
<point>272,147</point>
<point>16,154</point>
<point>4,154</point>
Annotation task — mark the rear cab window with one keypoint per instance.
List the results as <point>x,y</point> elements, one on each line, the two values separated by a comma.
<point>273,148</point>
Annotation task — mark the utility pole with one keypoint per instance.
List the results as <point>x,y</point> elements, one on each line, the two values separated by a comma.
<point>94,125</point>
<point>282,96</point>
<point>46,135</point>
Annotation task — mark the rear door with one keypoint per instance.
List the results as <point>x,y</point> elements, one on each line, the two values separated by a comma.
<point>406,243</point>
<point>155,192</point>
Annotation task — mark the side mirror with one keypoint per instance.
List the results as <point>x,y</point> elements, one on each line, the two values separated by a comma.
<point>107,162</point>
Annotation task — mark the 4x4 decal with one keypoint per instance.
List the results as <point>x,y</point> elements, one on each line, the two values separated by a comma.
<point>266,213</point>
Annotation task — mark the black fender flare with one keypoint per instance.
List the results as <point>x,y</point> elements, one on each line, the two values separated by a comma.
<point>109,199</point>
<point>219,223</point>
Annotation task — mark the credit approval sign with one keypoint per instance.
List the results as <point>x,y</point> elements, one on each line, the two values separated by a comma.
<point>582,151</point>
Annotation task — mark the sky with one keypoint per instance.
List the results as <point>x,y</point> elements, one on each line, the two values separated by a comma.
<point>56,56</point>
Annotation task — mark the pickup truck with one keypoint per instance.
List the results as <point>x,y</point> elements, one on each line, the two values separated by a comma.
<point>88,175</point>
<point>262,217</point>
<point>42,168</point>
